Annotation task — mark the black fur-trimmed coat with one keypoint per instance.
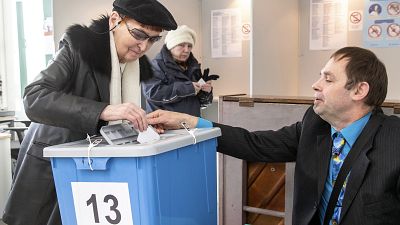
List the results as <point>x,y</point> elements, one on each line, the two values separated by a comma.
<point>64,103</point>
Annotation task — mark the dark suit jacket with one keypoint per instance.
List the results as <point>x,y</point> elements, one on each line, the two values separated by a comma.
<point>373,190</point>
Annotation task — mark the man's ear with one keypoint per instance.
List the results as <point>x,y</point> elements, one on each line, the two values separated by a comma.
<point>360,91</point>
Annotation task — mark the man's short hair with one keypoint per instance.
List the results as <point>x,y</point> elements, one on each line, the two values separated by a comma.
<point>364,66</point>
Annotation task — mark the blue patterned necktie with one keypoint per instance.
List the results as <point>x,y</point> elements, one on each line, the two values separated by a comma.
<point>338,143</point>
<point>337,162</point>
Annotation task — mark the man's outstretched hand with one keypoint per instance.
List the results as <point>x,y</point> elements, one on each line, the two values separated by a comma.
<point>167,120</point>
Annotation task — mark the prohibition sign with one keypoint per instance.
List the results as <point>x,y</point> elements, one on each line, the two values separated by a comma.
<point>393,30</point>
<point>246,28</point>
<point>355,17</point>
<point>374,31</point>
<point>393,8</point>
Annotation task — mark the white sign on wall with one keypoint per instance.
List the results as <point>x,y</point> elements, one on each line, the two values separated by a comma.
<point>328,24</point>
<point>226,33</point>
<point>355,20</point>
<point>102,203</point>
<point>246,31</point>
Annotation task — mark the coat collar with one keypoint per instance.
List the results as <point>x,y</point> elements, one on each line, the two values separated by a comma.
<point>92,44</point>
<point>360,166</point>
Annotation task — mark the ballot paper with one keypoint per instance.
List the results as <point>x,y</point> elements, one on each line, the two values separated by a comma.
<point>201,82</point>
<point>148,136</point>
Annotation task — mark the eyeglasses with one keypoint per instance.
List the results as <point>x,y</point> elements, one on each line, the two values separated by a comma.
<point>141,35</point>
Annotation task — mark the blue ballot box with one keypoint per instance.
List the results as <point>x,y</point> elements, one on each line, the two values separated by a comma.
<point>168,182</point>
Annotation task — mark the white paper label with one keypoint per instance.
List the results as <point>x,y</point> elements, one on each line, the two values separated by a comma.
<point>101,203</point>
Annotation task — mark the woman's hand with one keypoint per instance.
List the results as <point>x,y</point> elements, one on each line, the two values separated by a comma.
<point>207,87</point>
<point>197,87</point>
<point>126,111</point>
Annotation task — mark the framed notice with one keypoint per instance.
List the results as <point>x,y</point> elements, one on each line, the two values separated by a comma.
<point>226,33</point>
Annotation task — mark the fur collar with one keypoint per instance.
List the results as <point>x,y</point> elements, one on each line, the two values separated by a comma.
<point>92,44</point>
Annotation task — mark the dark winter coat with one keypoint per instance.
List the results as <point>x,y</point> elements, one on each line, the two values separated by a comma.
<point>64,103</point>
<point>171,87</point>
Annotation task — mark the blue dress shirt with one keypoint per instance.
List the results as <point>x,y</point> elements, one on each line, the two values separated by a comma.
<point>350,134</point>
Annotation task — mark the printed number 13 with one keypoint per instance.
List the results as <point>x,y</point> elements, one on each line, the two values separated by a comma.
<point>92,201</point>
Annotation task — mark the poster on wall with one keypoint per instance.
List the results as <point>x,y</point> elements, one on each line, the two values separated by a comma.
<point>382,23</point>
<point>328,24</point>
<point>226,33</point>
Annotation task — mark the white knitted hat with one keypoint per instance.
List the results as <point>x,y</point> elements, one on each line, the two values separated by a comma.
<point>180,35</point>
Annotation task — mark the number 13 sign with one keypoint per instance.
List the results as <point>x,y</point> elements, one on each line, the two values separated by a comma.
<point>100,203</point>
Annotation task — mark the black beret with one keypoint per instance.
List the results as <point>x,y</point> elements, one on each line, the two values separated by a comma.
<point>147,12</point>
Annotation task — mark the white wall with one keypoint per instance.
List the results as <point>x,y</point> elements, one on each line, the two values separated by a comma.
<point>275,47</point>
<point>281,62</point>
<point>3,97</point>
<point>35,41</point>
<point>234,72</point>
<point>66,13</point>
<point>311,62</point>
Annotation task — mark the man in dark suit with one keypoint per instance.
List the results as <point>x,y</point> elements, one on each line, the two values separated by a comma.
<point>349,181</point>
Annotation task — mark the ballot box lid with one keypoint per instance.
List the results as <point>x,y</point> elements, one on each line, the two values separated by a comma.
<point>170,140</point>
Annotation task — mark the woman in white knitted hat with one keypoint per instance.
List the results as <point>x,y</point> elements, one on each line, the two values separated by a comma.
<point>175,85</point>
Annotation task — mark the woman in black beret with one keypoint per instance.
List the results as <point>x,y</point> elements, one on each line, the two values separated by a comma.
<point>93,79</point>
